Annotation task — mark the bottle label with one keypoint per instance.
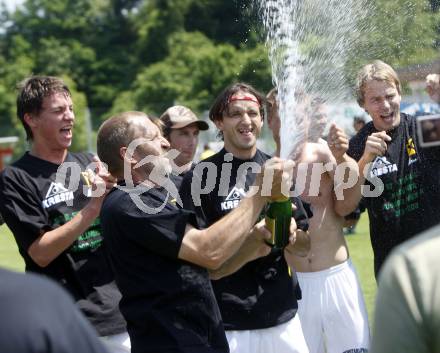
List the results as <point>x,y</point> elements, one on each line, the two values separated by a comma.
<point>270,225</point>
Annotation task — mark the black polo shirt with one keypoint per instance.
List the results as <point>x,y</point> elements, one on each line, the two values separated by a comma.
<point>168,303</point>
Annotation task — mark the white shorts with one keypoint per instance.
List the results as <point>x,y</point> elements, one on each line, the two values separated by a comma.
<point>119,343</point>
<point>284,338</point>
<point>332,310</point>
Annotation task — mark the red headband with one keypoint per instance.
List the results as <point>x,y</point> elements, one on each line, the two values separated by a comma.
<point>244,98</point>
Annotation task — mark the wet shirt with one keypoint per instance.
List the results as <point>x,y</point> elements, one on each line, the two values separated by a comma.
<point>411,194</point>
<point>38,196</point>
<point>261,294</point>
<point>168,303</point>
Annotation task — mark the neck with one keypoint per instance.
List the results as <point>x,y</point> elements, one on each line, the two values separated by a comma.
<point>241,153</point>
<point>53,156</point>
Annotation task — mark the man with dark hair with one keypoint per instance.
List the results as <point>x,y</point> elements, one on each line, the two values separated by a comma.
<point>358,123</point>
<point>257,298</point>
<point>39,317</point>
<point>181,128</point>
<point>50,212</point>
<point>159,255</point>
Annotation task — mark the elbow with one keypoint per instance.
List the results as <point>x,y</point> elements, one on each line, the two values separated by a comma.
<point>40,259</point>
<point>210,255</point>
<point>213,262</point>
<point>215,275</point>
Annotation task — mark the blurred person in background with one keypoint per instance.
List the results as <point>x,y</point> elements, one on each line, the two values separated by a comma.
<point>181,128</point>
<point>433,87</point>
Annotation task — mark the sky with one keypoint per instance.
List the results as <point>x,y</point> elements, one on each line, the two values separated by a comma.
<point>11,4</point>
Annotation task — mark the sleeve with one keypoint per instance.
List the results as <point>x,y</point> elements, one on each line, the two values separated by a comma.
<point>21,208</point>
<point>188,201</point>
<point>161,233</point>
<point>398,320</point>
<point>356,147</point>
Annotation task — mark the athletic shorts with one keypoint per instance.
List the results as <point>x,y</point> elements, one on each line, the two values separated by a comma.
<point>119,343</point>
<point>332,310</point>
<point>284,338</point>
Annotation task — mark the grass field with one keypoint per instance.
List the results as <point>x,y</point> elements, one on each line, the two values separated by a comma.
<point>359,244</point>
<point>9,256</point>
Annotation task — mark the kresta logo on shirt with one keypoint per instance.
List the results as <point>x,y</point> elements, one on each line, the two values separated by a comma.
<point>233,199</point>
<point>56,194</point>
<point>382,166</point>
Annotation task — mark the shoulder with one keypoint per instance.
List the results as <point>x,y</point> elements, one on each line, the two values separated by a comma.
<point>201,169</point>
<point>217,159</point>
<point>315,152</point>
<point>15,173</point>
<point>263,155</point>
<point>84,158</point>
<point>115,199</point>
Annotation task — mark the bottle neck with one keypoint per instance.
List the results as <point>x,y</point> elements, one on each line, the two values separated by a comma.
<point>281,199</point>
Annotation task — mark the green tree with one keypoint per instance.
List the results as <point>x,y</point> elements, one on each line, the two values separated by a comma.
<point>195,71</point>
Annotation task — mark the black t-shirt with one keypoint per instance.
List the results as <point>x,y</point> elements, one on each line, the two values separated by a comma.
<point>33,201</point>
<point>261,294</point>
<point>38,316</point>
<point>177,178</point>
<point>168,303</point>
<point>409,202</point>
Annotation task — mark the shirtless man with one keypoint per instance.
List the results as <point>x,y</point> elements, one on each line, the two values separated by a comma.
<point>332,310</point>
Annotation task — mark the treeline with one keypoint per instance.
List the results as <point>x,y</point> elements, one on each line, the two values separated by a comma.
<point>150,54</point>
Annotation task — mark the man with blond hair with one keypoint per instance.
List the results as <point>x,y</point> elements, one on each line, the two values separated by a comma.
<point>398,177</point>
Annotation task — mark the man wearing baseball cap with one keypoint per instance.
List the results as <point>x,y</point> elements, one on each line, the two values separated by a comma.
<point>181,128</point>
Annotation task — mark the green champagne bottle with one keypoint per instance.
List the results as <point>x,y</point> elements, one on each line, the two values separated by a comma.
<point>278,217</point>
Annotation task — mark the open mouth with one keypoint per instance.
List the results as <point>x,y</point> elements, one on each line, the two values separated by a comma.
<point>67,131</point>
<point>246,132</point>
<point>388,118</point>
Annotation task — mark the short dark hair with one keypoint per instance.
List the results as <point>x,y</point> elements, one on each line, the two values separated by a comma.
<point>31,93</point>
<point>114,133</point>
<point>221,102</point>
<point>359,119</point>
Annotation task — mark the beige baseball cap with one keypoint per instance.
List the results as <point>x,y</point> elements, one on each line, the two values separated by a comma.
<point>178,116</point>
